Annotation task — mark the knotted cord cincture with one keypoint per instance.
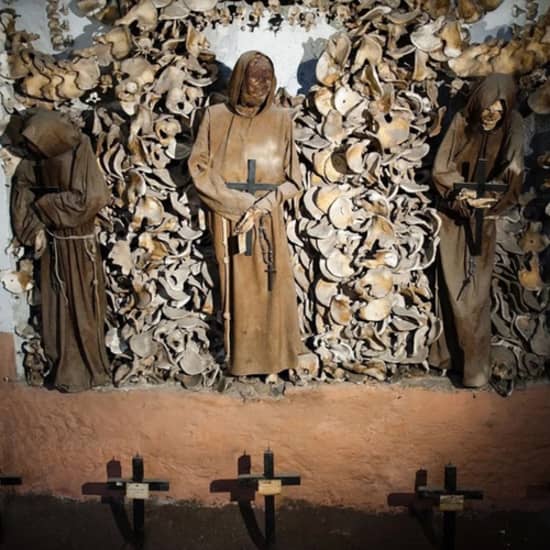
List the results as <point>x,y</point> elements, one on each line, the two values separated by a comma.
<point>89,253</point>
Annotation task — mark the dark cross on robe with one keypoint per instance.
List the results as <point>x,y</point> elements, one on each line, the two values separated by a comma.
<point>251,186</point>
<point>268,485</point>
<point>41,189</point>
<point>137,488</point>
<point>450,500</point>
<point>481,186</point>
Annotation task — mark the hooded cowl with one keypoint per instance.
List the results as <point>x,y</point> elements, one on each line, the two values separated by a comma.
<point>51,133</point>
<point>237,80</point>
<point>492,88</point>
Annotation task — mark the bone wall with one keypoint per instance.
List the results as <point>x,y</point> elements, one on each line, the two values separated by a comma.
<point>236,40</point>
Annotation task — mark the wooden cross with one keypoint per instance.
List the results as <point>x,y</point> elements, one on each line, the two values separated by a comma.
<point>251,186</point>
<point>270,270</point>
<point>449,500</point>
<point>41,189</point>
<point>10,480</point>
<point>269,485</point>
<point>481,187</point>
<point>137,488</point>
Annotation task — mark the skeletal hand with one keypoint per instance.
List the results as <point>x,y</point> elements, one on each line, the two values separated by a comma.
<point>483,202</point>
<point>466,194</point>
<point>249,219</point>
<point>39,244</point>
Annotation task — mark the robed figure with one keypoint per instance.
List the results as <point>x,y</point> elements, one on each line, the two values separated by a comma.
<point>487,128</point>
<point>257,284</point>
<point>56,195</point>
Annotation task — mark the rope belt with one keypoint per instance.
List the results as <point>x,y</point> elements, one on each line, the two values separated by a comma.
<point>226,305</point>
<point>90,252</point>
<point>268,254</point>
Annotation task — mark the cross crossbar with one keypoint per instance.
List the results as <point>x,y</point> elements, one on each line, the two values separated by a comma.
<point>481,186</point>
<point>268,484</point>
<point>251,186</point>
<point>450,500</point>
<point>137,488</point>
<point>10,480</point>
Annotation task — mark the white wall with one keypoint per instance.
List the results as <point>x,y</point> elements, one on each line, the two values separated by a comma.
<point>6,262</point>
<point>290,48</point>
<point>495,24</point>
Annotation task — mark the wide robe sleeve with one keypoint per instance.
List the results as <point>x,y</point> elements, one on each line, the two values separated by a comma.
<point>25,221</point>
<point>88,194</point>
<point>445,171</point>
<point>228,203</point>
<point>293,184</point>
<point>510,168</point>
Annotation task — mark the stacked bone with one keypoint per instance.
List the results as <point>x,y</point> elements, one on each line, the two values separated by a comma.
<point>521,346</point>
<point>7,104</point>
<point>521,290</point>
<point>42,77</point>
<point>159,287</point>
<point>367,233</point>
<point>58,24</point>
<point>528,50</point>
<point>469,11</point>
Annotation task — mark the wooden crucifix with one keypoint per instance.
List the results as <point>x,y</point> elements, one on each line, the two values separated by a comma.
<point>449,500</point>
<point>10,480</point>
<point>480,186</point>
<point>251,186</point>
<point>269,485</point>
<point>7,480</point>
<point>138,488</point>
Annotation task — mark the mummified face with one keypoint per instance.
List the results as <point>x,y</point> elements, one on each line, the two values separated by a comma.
<point>491,116</point>
<point>258,80</point>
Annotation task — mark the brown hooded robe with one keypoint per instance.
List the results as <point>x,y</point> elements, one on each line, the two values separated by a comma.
<point>71,277</point>
<point>466,340</point>
<point>261,326</point>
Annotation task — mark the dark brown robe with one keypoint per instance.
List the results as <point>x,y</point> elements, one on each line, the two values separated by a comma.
<point>466,340</point>
<point>261,326</point>
<point>71,278</point>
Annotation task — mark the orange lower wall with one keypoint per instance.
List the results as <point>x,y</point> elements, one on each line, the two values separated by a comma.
<point>353,445</point>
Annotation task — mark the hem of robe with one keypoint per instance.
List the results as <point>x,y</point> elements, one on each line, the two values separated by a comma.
<point>478,378</point>
<point>259,371</point>
<point>97,382</point>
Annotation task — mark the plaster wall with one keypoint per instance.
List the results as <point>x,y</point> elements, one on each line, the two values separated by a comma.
<point>293,50</point>
<point>353,445</point>
<point>6,262</point>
